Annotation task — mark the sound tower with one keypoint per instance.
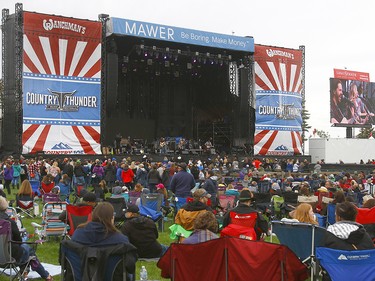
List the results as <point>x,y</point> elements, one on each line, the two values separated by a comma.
<point>112,83</point>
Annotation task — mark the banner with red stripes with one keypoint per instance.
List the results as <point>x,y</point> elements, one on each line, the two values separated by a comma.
<point>278,125</point>
<point>61,85</point>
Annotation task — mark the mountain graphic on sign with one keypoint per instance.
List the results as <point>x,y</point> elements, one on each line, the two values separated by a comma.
<point>281,147</point>
<point>61,146</point>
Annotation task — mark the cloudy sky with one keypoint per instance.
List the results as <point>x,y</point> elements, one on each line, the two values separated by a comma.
<point>336,34</point>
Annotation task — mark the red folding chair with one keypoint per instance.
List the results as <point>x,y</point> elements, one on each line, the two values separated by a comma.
<point>77,215</point>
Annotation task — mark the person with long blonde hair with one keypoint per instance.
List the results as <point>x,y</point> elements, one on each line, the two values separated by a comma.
<point>304,213</point>
<point>25,190</point>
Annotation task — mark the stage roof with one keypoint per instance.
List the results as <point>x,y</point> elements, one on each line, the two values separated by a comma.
<point>178,35</point>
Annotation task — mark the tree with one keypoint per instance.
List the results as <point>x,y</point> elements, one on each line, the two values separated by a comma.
<point>365,133</point>
<point>322,134</point>
<point>305,118</point>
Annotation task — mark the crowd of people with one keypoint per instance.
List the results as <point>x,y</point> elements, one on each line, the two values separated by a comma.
<point>199,184</point>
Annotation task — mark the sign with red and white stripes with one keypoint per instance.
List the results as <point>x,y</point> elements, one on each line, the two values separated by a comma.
<point>61,85</point>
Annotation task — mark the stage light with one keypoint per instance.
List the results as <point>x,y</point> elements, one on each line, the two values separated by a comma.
<point>165,56</point>
<point>194,60</point>
<point>146,54</point>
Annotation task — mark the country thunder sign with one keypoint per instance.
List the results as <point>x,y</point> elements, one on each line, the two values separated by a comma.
<point>61,85</point>
<point>278,125</point>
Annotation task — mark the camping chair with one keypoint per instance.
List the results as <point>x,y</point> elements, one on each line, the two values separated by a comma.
<point>302,239</point>
<point>262,201</point>
<point>278,211</point>
<point>119,205</point>
<point>25,205</point>
<point>153,202</point>
<point>46,188</point>
<point>366,217</point>
<point>77,215</point>
<point>264,186</point>
<point>50,197</point>
<point>51,225</point>
<point>64,192</point>
<point>227,202</point>
<point>331,214</point>
<point>231,259</point>
<point>133,196</point>
<point>12,213</point>
<point>8,264</point>
<point>35,184</point>
<point>347,265</point>
<point>242,226</point>
<point>80,262</point>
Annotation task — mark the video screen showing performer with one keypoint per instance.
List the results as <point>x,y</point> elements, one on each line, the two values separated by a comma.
<point>350,102</point>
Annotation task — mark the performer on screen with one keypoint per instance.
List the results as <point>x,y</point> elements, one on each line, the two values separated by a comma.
<point>340,105</point>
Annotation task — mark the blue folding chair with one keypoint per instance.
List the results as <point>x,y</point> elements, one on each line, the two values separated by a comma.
<point>347,265</point>
<point>331,214</point>
<point>151,207</point>
<point>35,187</point>
<point>302,239</point>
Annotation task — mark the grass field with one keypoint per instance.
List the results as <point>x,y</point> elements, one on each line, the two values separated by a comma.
<point>49,251</point>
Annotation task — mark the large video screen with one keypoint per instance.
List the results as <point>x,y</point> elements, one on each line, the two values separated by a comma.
<point>352,102</point>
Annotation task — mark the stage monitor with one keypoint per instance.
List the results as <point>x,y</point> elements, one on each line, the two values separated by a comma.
<point>352,102</point>
<point>61,85</point>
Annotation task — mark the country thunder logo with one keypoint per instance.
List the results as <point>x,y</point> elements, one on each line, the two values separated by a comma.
<point>61,101</point>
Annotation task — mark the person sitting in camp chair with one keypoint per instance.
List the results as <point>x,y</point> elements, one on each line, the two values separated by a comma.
<point>22,252</point>
<point>186,215</point>
<point>243,221</point>
<point>205,229</point>
<point>142,233</point>
<point>346,234</point>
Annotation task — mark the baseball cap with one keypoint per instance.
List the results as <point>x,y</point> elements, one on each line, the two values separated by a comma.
<point>132,209</point>
<point>160,186</point>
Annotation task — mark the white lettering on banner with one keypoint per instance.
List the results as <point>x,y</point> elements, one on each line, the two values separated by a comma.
<point>198,37</point>
<point>284,111</point>
<point>61,101</point>
<point>219,40</point>
<point>51,24</point>
<point>148,30</point>
<point>280,53</point>
<point>237,43</point>
<point>64,152</point>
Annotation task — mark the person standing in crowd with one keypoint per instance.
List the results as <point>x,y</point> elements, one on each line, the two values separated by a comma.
<point>16,167</point>
<point>8,175</point>
<point>183,182</point>
<point>110,174</point>
<point>55,172</point>
<point>346,234</point>
<point>142,233</point>
<point>153,178</point>
<point>141,175</point>
<point>127,176</point>
<point>210,185</point>
<point>97,173</point>
<point>79,173</point>
<point>33,170</point>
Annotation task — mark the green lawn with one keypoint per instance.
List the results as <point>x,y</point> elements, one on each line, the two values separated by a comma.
<point>49,251</point>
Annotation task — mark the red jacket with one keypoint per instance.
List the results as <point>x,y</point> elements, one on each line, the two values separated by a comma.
<point>127,176</point>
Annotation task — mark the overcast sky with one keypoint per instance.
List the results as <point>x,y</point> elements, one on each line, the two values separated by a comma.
<point>336,34</point>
